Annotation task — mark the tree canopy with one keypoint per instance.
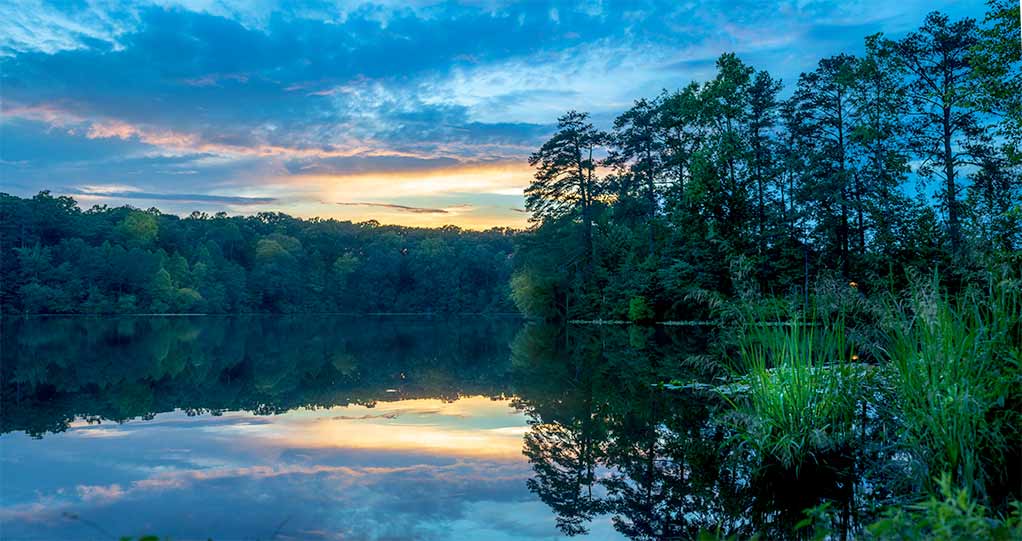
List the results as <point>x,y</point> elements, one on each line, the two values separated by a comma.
<point>866,169</point>
<point>57,258</point>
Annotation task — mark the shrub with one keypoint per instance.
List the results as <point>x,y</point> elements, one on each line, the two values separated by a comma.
<point>639,310</point>
<point>950,515</point>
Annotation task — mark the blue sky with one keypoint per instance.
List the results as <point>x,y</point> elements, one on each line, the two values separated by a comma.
<point>417,113</point>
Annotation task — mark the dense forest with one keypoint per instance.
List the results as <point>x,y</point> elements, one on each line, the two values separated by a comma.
<point>903,159</point>
<point>57,258</point>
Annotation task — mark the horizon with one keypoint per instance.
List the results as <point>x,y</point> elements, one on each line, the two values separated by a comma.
<point>416,116</point>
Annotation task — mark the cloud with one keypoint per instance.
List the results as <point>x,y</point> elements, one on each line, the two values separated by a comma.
<point>176,197</point>
<point>426,468</point>
<point>100,493</point>
<point>346,165</point>
<point>402,208</point>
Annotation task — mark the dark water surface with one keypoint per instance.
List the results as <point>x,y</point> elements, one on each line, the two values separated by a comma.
<point>344,428</point>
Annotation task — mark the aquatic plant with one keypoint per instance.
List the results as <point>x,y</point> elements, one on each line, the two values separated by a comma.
<point>955,373</point>
<point>802,391</point>
<point>949,515</point>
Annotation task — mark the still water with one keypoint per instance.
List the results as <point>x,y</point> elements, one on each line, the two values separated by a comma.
<point>343,428</point>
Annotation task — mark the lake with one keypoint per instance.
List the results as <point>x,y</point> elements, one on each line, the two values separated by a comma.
<point>330,427</point>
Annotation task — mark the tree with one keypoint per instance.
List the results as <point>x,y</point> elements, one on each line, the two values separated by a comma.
<point>945,121</point>
<point>996,61</point>
<point>139,228</point>
<point>878,105</point>
<point>763,109</point>
<point>638,151</point>
<point>720,167</point>
<point>162,291</point>
<point>680,119</point>
<point>824,99</point>
<point>565,182</point>
<point>995,195</point>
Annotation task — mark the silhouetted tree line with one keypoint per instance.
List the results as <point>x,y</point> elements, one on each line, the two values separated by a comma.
<point>737,174</point>
<point>57,258</point>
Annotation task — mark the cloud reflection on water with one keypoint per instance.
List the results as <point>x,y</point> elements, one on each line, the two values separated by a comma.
<point>409,469</point>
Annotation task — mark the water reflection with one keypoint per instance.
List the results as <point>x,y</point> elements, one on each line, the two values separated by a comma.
<point>611,442</point>
<point>258,428</point>
<point>607,438</point>
<point>338,428</point>
<point>57,369</point>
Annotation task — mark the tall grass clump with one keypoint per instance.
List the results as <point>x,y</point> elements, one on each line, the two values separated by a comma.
<point>802,392</point>
<point>955,374</point>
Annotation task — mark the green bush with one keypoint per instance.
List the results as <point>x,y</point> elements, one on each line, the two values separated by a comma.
<point>639,310</point>
<point>951,515</point>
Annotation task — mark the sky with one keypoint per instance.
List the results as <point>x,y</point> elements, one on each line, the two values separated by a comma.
<point>407,112</point>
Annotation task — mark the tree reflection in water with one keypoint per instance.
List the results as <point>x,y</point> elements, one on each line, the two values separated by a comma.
<point>58,369</point>
<point>607,439</point>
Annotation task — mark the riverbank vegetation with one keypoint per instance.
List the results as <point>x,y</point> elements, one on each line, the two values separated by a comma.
<point>857,239</point>
<point>925,405</point>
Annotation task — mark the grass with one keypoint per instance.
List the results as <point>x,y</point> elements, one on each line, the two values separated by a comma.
<point>954,369</point>
<point>950,514</point>
<point>802,392</point>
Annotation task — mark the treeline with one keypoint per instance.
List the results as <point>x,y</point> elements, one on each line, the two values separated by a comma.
<point>57,258</point>
<point>739,177</point>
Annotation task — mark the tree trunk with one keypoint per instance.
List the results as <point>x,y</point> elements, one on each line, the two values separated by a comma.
<point>949,173</point>
<point>844,185</point>
<point>858,218</point>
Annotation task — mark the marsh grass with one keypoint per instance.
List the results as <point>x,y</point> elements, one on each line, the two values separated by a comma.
<point>802,392</point>
<point>954,371</point>
<point>892,391</point>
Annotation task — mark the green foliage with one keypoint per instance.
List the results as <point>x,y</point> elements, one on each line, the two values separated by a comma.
<point>956,370</point>
<point>950,514</point>
<point>55,258</point>
<point>802,392</point>
<point>534,295</point>
<point>138,228</point>
<point>807,188</point>
<point>639,310</point>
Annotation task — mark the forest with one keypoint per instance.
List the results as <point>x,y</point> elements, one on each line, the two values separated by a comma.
<point>57,258</point>
<point>865,170</point>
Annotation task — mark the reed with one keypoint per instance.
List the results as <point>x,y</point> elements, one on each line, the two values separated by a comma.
<point>802,391</point>
<point>955,373</point>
